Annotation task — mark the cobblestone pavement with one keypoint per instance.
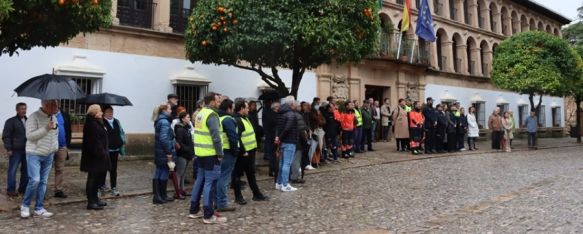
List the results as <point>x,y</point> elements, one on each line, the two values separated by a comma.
<point>524,191</point>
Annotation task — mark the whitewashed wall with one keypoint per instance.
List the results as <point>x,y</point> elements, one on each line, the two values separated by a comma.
<point>465,95</point>
<point>145,80</point>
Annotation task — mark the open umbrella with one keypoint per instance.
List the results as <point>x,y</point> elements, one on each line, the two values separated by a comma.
<point>269,95</point>
<point>106,99</point>
<point>50,87</point>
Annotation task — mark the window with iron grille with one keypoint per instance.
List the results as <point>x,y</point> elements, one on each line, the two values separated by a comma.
<point>503,108</point>
<point>542,122</point>
<point>135,13</point>
<point>188,95</point>
<point>76,110</point>
<point>480,114</point>
<point>556,116</point>
<point>523,113</point>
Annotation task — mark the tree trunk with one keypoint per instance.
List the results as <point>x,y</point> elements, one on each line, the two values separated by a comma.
<point>578,102</point>
<point>297,75</point>
<point>534,108</point>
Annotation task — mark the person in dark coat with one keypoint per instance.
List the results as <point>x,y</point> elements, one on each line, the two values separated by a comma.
<point>164,153</point>
<point>186,151</point>
<point>430,115</point>
<point>116,147</point>
<point>95,155</point>
<point>287,135</point>
<point>332,128</point>
<point>452,125</point>
<point>14,138</point>
<point>462,129</point>
<point>440,129</point>
<point>269,119</point>
<point>367,127</point>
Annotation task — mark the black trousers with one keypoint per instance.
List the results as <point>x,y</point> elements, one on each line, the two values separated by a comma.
<point>92,186</point>
<point>439,146</point>
<point>430,140</point>
<point>496,138</point>
<point>366,139</point>
<point>113,157</point>
<point>245,164</point>
<point>452,142</point>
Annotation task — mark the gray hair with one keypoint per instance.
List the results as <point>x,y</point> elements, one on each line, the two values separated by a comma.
<point>275,105</point>
<point>289,100</point>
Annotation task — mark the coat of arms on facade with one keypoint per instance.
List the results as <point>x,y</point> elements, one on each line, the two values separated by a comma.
<point>339,87</point>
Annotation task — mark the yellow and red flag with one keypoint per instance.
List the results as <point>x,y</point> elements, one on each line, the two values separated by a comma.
<point>406,21</point>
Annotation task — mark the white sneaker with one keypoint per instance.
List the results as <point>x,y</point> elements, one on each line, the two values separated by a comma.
<point>214,220</point>
<point>278,186</point>
<point>195,216</point>
<point>288,188</point>
<point>43,213</point>
<point>309,167</point>
<point>24,212</point>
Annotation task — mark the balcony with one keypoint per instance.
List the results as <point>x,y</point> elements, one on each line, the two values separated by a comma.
<point>179,19</point>
<point>136,13</point>
<point>411,52</point>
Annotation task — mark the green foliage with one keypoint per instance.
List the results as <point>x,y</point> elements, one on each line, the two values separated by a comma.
<point>50,22</point>
<point>535,63</point>
<point>271,34</point>
<point>5,9</point>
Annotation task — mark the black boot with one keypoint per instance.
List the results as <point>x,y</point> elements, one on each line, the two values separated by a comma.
<point>156,190</point>
<point>164,191</point>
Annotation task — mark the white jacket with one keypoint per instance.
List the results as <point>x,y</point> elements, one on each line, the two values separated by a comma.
<point>39,140</point>
<point>473,129</point>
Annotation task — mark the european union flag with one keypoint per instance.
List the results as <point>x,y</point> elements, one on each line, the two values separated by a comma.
<point>425,23</point>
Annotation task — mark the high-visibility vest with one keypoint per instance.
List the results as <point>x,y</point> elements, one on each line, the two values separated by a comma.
<point>248,136</point>
<point>203,141</point>
<point>358,117</point>
<point>408,108</point>
<point>224,137</point>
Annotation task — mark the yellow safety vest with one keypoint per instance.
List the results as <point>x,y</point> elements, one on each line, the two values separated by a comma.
<point>358,117</point>
<point>248,136</point>
<point>224,137</point>
<point>408,109</point>
<point>203,141</point>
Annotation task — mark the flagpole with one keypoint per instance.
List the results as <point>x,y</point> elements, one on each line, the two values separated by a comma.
<point>399,47</point>
<point>413,50</point>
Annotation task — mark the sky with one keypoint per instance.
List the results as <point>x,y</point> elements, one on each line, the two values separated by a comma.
<point>567,8</point>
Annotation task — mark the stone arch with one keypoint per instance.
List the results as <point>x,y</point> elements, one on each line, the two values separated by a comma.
<point>457,41</point>
<point>515,22</point>
<point>532,24</point>
<point>548,29</point>
<point>523,23</point>
<point>473,57</point>
<point>506,21</point>
<point>441,40</point>
<point>481,14</point>
<point>557,32</point>
<point>540,26</point>
<point>494,17</point>
<point>385,34</point>
<point>485,58</point>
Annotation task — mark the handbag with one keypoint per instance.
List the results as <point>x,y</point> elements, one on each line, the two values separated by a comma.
<point>278,152</point>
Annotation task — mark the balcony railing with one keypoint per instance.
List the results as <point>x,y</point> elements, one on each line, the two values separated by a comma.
<point>411,52</point>
<point>179,19</point>
<point>136,13</point>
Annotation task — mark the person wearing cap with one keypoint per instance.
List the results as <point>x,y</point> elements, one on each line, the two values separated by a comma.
<point>430,126</point>
<point>173,102</point>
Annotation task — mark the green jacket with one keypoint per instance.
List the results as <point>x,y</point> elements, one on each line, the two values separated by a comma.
<point>366,118</point>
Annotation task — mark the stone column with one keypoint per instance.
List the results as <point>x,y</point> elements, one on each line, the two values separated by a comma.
<point>445,9</point>
<point>114,18</point>
<point>488,61</point>
<point>462,56</point>
<point>516,25</point>
<point>459,6</point>
<point>498,23</point>
<point>507,21</point>
<point>162,16</point>
<point>486,18</point>
<point>473,8</point>
<point>476,55</point>
<point>433,49</point>
<point>447,51</point>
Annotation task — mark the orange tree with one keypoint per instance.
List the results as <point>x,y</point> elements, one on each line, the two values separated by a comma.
<point>28,23</point>
<point>267,35</point>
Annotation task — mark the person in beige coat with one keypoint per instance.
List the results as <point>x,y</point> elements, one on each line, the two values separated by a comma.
<point>401,126</point>
<point>386,119</point>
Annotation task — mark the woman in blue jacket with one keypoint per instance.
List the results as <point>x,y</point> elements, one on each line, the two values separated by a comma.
<point>164,153</point>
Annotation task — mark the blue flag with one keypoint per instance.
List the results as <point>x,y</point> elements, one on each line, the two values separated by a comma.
<point>425,28</point>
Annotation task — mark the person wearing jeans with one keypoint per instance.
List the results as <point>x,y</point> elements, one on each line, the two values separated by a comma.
<point>287,134</point>
<point>230,136</point>
<point>42,143</point>
<point>14,138</point>
<point>531,128</point>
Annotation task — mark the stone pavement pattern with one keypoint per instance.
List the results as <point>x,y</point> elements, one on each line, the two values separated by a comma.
<point>537,191</point>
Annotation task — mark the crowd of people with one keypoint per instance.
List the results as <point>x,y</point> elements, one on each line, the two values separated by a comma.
<point>221,139</point>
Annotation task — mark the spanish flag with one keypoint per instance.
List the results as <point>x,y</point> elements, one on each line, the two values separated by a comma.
<point>406,21</point>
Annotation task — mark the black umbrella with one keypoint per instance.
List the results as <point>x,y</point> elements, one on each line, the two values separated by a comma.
<point>106,99</point>
<point>50,87</point>
<point>269,95</point>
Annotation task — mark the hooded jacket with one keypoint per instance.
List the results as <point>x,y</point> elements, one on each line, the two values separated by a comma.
<point>287,127</point>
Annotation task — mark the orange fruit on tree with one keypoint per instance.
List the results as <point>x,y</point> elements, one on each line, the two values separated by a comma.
<point>94,2</point>
<point>235,21</point>
<point>225,30</point>
<point>214,28</point>
<point>61,2</point>
<point>205,43</point>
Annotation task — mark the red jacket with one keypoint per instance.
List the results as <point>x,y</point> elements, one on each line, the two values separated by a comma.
<point>346,120</point>
<point>415,119</point>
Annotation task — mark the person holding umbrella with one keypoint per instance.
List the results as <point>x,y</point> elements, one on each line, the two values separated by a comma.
<point>42,144</point>
<point>95,155</point>
<point>117,140</point>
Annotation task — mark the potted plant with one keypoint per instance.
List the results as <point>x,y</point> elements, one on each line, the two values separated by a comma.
<point>77,123</point>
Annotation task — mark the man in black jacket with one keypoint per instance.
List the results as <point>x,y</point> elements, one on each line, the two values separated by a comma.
<point>440,129</point>
<point>288,136</point>
<point>430,115</point>
<point>14,138</point>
